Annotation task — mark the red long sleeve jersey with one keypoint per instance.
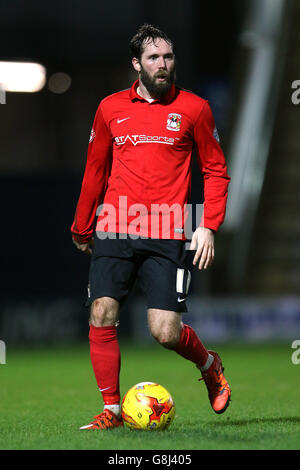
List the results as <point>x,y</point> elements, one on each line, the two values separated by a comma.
<point>139,166</point>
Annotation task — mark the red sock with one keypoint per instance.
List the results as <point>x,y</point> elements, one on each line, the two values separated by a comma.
<point>190,347</point>
<point>106,361</point>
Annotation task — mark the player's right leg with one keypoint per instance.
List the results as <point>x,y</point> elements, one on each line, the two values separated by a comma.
<point>104,349</point>
<point>106,360</point>
<point>112,273</point>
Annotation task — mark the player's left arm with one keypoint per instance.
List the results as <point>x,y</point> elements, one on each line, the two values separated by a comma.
<point>212,163</point>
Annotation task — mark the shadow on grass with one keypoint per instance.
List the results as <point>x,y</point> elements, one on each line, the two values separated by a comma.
<point>266,420</point>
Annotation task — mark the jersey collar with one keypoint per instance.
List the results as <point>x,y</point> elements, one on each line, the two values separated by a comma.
<point>134,96</point>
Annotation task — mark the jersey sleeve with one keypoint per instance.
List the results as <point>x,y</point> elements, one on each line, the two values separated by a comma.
<point>95,179</point>
<point>212,163</point>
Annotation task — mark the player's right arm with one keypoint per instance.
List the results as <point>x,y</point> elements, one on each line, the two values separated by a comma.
<point>94,182</point>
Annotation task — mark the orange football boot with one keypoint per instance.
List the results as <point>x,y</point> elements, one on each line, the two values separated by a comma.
<point>219,392</point>
<point>105,420</point>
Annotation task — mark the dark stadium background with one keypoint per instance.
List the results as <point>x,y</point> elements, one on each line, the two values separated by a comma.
<point>43,146</point>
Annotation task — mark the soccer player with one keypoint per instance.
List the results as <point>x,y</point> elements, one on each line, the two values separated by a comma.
<point>139,162</point>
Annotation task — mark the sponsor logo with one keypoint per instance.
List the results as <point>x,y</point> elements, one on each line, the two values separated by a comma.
<point>103,389</point>
<point>121,120</point>
<point>144,139</point>
<point>174,122</point>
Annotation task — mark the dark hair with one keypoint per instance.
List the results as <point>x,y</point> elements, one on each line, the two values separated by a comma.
<point>144,33</point>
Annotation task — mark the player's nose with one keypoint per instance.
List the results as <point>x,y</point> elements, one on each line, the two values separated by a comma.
<point>161,63</point>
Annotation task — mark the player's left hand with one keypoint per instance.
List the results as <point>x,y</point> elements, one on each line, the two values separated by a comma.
<point>203,243</point>
<point>85,247</point>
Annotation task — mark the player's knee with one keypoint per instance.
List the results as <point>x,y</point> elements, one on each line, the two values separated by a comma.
<point>103,312</point>
<point>167,337</point>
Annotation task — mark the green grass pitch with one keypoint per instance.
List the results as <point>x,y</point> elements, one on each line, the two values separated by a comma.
<point>47,394</point>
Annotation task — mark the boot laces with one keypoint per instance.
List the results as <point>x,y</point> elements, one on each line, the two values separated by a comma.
<point>213,385</point>
<point>103,417</point>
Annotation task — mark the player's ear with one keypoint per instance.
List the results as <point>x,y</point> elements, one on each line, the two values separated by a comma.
<point>136,64</point>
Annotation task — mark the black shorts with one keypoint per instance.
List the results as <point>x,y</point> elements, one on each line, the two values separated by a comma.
<point>157,264</point>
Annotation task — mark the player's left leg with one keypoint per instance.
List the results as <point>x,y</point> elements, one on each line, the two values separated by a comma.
<point>209,363</point>
<point>168,329</point>
<point>165,281</point>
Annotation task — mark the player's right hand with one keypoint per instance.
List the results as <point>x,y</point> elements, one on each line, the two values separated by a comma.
<point>84,247</point>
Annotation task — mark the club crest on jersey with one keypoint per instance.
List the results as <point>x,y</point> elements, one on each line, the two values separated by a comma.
<point>174,122</point>
<point>92,135</point>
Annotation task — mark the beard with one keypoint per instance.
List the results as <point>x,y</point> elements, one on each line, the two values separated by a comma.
<point>157,89</point>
